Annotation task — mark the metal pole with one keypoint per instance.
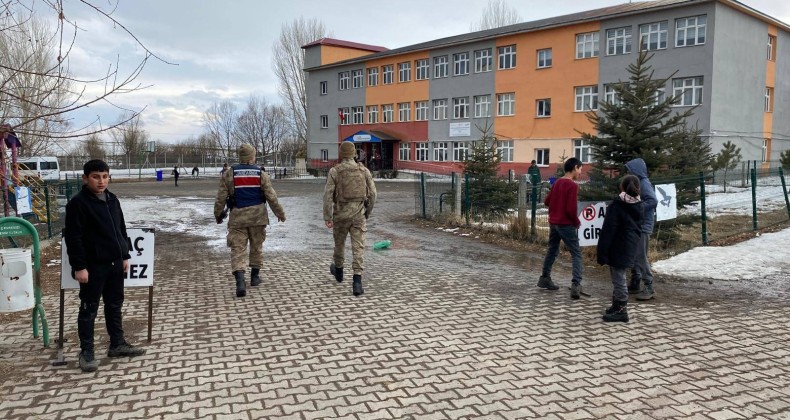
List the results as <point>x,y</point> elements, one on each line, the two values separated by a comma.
<point>49,215</point>
<point>702,208</point>
<point>533,214</point>
<point>784,190</point>
<point>150,311</point>
<point>422,193</point>
<point>754,198</point>
<point>467,200</point>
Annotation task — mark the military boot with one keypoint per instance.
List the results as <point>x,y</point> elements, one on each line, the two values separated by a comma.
<point>241,288</point>
<point>544,282</point>
<point>619,314</point>
<point>255,278</point>
<point>337,272</point>
<point>357,286</point>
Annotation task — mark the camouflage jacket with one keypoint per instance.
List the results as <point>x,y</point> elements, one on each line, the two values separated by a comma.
<point>336,210</point>
<point>248,216</point>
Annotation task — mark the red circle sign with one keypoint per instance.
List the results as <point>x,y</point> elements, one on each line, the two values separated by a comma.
<point>588,213</point>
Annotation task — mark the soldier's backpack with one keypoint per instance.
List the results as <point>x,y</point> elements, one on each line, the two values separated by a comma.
<point>351,184</point>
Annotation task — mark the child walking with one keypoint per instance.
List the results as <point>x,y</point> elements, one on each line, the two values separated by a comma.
<point>98,252</point>
<point>618,243</point>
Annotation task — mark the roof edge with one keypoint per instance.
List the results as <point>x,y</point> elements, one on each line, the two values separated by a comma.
<point>346,44</point>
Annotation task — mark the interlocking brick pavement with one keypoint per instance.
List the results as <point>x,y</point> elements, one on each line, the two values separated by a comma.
<point>448,328</point>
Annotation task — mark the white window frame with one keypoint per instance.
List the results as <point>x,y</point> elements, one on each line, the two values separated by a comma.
<point>441,67</point>
<point>484,60</point>
<point>421,151</point>
<point>373,76</point>
<point>358,115</point>
<point>543,108</point>
<point>582,150</point>
<point>421,111</point>
<point>544,58</point>
<point>373,114</point>
<point>439,109</point>
<point>610,95</point>
<point>482,106</point>
<point>681,86</point>
<point>325,121</point>
<point>765,150</point>
<point>346,116</point>
<point>687,24</point>
<point>587,45</point>
<point>660,96</point>
<point>769,99</point>
<point>504,150</point>
<point>506,104</point>
<point>404,72</point>
<point>542,157</point>
<point>387,74</point>
<point>404,151</point>
<point>618,41</point>
<point>440,151</point>
<point>461,64</point>
<point>404,111</point>
<point>771,45</point>
<point>506,57</point>
<point>653,36</point>
<point>357,78</point>
<point>422,68</point>
<point>586,98</point>
<point>460,151</point>
<point>325,155</point>
<point>461,108</point>
<point>323,88</point>
<point>344,77</point>
<point>387,111</point>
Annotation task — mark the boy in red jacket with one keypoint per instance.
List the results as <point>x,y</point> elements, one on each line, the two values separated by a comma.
<point>564,225</point>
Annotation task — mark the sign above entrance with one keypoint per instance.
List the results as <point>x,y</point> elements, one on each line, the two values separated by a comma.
<point>361,138</point>
<point>461,129</point>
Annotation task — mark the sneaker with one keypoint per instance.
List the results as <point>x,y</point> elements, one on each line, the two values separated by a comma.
<point>576,291</point>
<point>647,293</point>
<point>125,350</point>
<point>545,283</point>
<point>87,362</point>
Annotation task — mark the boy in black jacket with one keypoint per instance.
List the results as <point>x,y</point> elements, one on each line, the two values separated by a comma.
<point>618,243</point>
<point>98,252</point>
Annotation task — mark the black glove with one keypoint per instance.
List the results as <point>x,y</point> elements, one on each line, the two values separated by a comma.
<point>222,216</point>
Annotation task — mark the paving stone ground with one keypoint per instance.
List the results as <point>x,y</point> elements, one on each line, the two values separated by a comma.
<point>448,328</point>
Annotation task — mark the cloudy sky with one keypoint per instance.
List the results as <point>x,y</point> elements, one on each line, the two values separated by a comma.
<point>222,50</point>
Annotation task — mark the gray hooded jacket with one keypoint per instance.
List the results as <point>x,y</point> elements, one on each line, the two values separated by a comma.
<point>647,192</point>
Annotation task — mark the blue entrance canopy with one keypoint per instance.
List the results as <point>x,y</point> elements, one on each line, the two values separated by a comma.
<point>368,137</point>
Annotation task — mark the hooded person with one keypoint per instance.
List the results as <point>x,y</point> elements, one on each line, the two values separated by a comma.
<point>247,190</point>
<point>641,268</point>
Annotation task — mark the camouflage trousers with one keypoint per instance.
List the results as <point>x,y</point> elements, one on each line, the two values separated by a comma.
<point>237,241</point>
<point>357,228</point>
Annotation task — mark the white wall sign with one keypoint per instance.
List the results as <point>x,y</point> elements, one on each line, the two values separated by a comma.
<point>667,207</point>
<point>23,202</point>
<point>460,129</point>
<point>361,137</point>
<point>141,266</point>
<point>591,215</point>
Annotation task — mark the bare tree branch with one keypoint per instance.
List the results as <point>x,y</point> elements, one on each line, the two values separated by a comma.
<point>496,15</point>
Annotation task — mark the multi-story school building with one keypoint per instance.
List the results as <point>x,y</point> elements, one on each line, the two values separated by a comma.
<point>530,85</point>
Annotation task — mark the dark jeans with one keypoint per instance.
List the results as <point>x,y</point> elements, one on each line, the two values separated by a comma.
<point>105,281</point>
<point>641,264</point>
<point>619,286</point>
<point>570,235</point>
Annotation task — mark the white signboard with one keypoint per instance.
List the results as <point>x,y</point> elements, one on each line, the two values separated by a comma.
<point>667,207</point>
<point>591,215</point>
<point>460,129</point>
<point>361,137</point>
<point>141,266</point>
<point>23,202</point>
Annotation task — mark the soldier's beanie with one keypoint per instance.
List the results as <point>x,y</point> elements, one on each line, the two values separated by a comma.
<point>246,153</point>
<point>347,150</point>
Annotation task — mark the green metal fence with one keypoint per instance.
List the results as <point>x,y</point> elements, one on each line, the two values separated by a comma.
<point>49,207</point>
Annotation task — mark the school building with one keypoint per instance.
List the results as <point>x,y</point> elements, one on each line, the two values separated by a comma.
<point>419,107</point>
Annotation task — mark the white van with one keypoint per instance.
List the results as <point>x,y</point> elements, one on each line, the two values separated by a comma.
<point>44,167</point>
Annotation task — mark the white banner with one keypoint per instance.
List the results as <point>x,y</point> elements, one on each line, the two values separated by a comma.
<point>667,207</point>
<point>141,265</point>
<point>461,129</point>
<point>591,215</point>
<point>24,204</point>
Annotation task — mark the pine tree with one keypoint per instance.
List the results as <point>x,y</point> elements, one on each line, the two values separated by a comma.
<point>488,194</point>
<point>727,159</point>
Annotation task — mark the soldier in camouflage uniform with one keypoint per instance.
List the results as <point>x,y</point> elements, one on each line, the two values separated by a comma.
<point>349,197</point>
<point>250,189</point>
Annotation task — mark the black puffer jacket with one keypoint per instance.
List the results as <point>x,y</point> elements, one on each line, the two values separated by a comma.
<point>95,230</point>
<point>620,234</point>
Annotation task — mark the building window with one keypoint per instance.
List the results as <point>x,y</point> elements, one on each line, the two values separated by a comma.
<point>404,111</point>
<point>688,92</point>
<point>542,157</point>
<point>404,72</point>
<point>653,36</point>
<point>543,107</point>
<point>769,99</point>
<point>660,96</point>
<point>461,64</point>
<point>358,115</point>
<point>421,152</point>
<point>544,58</point>
<point>460,108</point>
<point>325,155</point>
<point>587,45</point>
<point>618,41</point>
<point>460,151</point>
<point>403,151</point>
<point>507,57</point>
<point>440,109</point>
<point>344,77</point>
<point>345,116</point>
<point>690,31</point>
<point>586,98</point>
<point>387,72</point>
<point>325,121</point>
<point>323,88</point>
<point>386,111</point>
<point>504,150</point>
<point>482,106</point>
<point>357,79</point>
<point>373,76</point>
<point>421,111</point>
<point>581,150</point>
<point>766,142</point>
<point>422,68</point>
<point>440,151</point>
<point>373,114</point>
<point>610,95</point>
<point>505,104</point>
<point>483,60</point>
<point>771,48</point>
<point>440,67</point>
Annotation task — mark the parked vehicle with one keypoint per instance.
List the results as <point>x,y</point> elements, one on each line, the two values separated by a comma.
<point>44,167</point>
